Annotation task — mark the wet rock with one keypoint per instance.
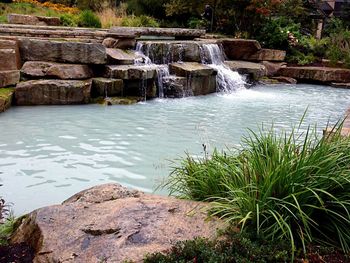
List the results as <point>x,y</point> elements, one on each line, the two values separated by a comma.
<point>130,72</point>
<point>317,74</point>
<point>122,43</point>
<point>191,69</point>
<point>6,95</point>
<point>121,100</point>
<point>62,51</point>
<point>9,78</point>
<point>39,69</point>
<point>33,20</point>
<point>106,87</point>
<point>176,87</point>
<point>341,85</point>
<point>52,92</point>
<point>120,57</point>
<point>253,70</point>
<point>273,67</point>
<point>266,55</point>
<point>120,226</point>
<point>287,80</point>
<point>237,49</point>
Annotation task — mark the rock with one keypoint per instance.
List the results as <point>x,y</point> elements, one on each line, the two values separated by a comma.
<point>317,74</point>
<point>285,80</point>
<point>122,100</point>
<point>132,72</point>
<point>254,70</point>
<point>52,92</point>
<point>191,69</point>
<point>120,57</point>
<point>273,67</point>
<point>341,85</point>
<point>6,95</point>
<point>176,87</point>
<point>9,52</point>
<point>39,69</point>
<point>61,51</point>
<point>9,78</point>
<point>111,224</point>
<point>237,49</point>
<point>178,33</point>
<point>329,132</point>
<point>33,20</point>
<point>122,43</point>
<point>165,52</point>
<point>266,55</point>
<point>106,87</point>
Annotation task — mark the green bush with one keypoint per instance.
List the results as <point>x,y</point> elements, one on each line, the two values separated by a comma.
<point>69,20</point>
<point>87,18</point>
<point>339,48</point>
<point>139,21</point>
<point>197,23</point>
<point>281,187</point>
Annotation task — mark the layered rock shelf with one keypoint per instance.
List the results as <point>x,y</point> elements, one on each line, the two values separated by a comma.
<point>109,223</point>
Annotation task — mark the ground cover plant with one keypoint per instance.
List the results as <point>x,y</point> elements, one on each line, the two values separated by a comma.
<point>277,186</point>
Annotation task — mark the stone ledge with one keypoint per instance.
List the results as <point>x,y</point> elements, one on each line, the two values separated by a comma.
<point>255,70</point>
<point>9,78</point>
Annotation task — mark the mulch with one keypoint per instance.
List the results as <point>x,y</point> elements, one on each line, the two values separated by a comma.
<point>18,253</point>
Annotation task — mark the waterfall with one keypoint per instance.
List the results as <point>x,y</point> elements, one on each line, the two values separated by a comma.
<point>227,80</point>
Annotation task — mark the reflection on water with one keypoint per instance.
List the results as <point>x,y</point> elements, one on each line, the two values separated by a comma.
<point>48,153</point>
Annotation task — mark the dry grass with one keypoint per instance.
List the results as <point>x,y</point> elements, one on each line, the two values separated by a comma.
<point>111,16</point>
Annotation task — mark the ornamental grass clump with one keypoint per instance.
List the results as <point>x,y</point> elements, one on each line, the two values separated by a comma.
<point>278,186</point>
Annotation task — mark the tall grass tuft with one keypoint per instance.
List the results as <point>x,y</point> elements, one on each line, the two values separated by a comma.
<point>279,186</point>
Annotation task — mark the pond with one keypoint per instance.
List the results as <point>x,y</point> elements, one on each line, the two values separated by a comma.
<point>48,153</point>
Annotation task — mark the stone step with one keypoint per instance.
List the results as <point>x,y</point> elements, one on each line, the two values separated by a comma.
<point>9,78</point>
<point>120,57</point>
<point>131,72</point>
<point>40,69</point>
<point>33,20</point>
<point>105,87</point>
<point>191,69</point>
<point>253,70</point>
<point>6,95</point>
<point>317,74</point>
<point>52,92</point>
<point>61,51</point>
<point>266,55</point>
<point>178,33</point>
<point>9,55</point>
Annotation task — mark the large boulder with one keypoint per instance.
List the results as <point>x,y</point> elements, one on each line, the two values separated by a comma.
<point>9,78</point>
<point>266,55</point>
<point>9,55</point>
<point>237,49</point>
<point>253,70</point>
<point>106,87</point>
<point>39,69</point>
<point>131,72</point>
<point>191,69</point>
<point>52,92</point>
<point>272,68</point>
<point>33,20</point>
<point>109,223</point>
<point>6,95</point>
<point>317,74</point>
<point>62,51</point>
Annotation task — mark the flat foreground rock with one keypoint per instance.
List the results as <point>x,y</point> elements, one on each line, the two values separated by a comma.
<point>52,92</point>
<point>36,69</point>
<point>109,223</point>
<point>62,51</point>
<point>317,74</point>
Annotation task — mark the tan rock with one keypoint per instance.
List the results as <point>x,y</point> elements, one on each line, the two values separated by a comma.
<point>266,55</point>
<point>237,49</point>
<point>52,92</point>
<point>254,70</point>
<point>110,224</point>
<point>273,67</point>
<point>121,100</point>
<point>6,95</point>
<point>36,69</point>
<point>9,60</point>
<point>106,87</point>
<point>9,78</point>
<point>317,74</point>
<point>285,80</point>
<point>131,72</point>
<point>341,85</point>
<point>33,20</point>
<point>191,69</point>
<point>120,57</point>
<point>62,51</point>
<point>122,43</point>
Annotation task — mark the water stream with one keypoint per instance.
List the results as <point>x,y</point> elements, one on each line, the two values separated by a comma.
<point>48,153</point>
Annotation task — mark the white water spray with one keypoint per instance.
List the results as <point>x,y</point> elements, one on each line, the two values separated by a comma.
<point>227,80</point>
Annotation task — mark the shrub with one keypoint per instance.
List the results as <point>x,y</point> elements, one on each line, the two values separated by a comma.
<point>339,48</point>
<point>197,23</point>
<point>68,20</point>
<point>87,18</point>
<point>293,187</point>
<point>139,21</point>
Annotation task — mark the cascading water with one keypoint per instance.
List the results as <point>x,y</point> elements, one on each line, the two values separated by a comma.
<point>227,80</point>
